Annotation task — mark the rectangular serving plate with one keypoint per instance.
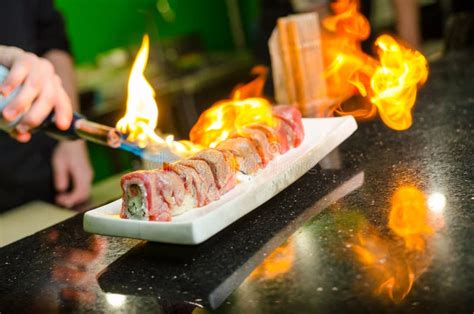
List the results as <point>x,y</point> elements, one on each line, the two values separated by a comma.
<point>195,226</point>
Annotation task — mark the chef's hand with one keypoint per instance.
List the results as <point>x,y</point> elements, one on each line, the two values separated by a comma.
<point>71,167</point>
<point>42,92</point>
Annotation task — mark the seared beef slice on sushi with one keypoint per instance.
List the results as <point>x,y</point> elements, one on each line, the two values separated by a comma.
<point>246,156</point>
<point>278,143</point>
<point>192,182</point>
<point>285,134</point>
<point>211,192</point>
<point>264,148</point>
<point>221,165</point>
<point>292,117</point>
<point>152,195</point>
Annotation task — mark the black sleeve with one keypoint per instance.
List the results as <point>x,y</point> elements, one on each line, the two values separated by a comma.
<point>51,33</point>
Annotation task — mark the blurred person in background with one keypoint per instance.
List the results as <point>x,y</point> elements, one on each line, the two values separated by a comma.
<point>408,21</point>
<point>42,168</point>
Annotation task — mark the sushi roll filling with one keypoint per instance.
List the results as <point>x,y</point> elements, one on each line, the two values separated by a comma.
<point>136,206</point>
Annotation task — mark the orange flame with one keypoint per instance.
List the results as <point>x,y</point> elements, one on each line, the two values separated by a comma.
<point>141,117</point>
<point>409,217</point>
<point>395,82</point>
<point>394,262</point>
<point>278,263</point>
<point>390,83</point>
<point>348,69</point>
<point>226,117</point>
<point>347,21</point>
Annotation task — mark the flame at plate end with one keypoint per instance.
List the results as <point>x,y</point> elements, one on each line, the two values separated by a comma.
<point>347,68</point>
<point>347,21</point>
<point>390,83</point>
<point>394,84</point>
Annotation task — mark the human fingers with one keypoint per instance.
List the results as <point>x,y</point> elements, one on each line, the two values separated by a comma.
<point>36,83</point>
<point>62,107</point>
<point>21,64</point>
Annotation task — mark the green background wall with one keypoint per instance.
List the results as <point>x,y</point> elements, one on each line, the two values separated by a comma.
<point>96,26</point>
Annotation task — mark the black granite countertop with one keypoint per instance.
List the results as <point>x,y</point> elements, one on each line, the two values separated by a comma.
<point>385,226</point>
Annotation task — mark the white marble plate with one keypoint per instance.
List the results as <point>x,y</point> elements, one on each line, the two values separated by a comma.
<point>199,224</point>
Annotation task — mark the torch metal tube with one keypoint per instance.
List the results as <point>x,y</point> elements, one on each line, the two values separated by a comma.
<point>98,133</point>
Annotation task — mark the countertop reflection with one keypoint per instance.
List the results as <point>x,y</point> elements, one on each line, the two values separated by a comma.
<point>388,231</point>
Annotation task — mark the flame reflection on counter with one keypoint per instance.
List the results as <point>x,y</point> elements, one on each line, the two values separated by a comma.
<point>393,261</point>
<point>279,262</point>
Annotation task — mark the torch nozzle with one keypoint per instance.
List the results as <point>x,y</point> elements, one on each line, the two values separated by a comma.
<point>81,128</point>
